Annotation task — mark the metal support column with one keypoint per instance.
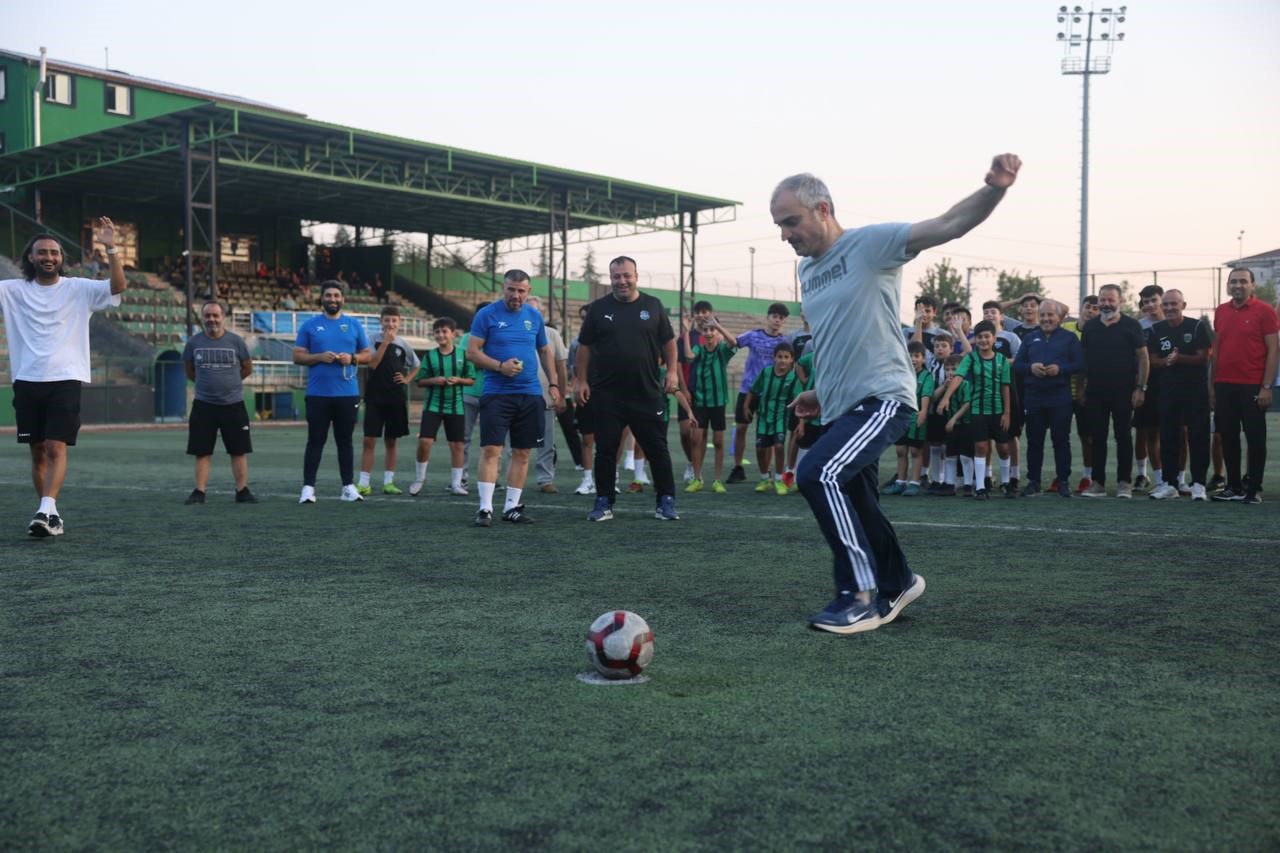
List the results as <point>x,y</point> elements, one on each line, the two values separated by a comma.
<point>688,262</point>
<point>200,215</point>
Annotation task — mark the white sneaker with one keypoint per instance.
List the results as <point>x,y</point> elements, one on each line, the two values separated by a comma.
<point>415,488</point>
<point>1164,492</point>
<point>458,490</point>
<point>1198,493</point>
<point>308,495</point>
<point>688,472</point>
<point>587,486</point>
<point>349,493</point>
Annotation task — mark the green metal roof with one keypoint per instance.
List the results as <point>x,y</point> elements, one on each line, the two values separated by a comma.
<point>289,166</point>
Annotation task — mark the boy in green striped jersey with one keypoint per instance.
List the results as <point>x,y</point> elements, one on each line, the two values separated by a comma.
<point>710,394</point>
<point>959,425</point>
<point>444,372</point>
<point>911,447</point>
<point>989,378</point>
<point>770,395</point>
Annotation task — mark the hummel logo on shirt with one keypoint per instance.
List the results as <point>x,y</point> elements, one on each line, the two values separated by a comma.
<point>502,324</point>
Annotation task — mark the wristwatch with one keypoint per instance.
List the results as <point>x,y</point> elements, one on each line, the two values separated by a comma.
<point>1142,388</point>
<point>111,250</point>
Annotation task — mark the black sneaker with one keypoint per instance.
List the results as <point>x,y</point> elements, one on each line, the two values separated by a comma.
<point>1249,498</point>
<point>244,496</point>
<point>737,475</point>
<point>986,484</point>
<point>43,526</point>
<point>1217,483</point>
<point>1229,494</point>
<point>1014,482</point>
<point>1064,489</point>
<point>933,489</point>
<point>982,495</point>
<point>1142,482</point>
<point>1009,490</point>
<point>966,492</point>
<point>196,497</point>
<point>484,518</point>
<point>516,515</point>
<point>1030,490</point>
<point>946,490</point>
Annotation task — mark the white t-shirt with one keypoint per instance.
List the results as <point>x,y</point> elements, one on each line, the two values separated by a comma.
<point>48,326</point>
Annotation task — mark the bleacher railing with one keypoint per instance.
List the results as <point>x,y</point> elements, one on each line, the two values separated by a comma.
<point>284,324</point>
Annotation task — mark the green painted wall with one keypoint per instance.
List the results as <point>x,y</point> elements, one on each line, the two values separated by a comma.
<point>15,109</point>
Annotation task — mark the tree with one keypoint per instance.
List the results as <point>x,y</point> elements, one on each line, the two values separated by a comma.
<point>1128,299</point>
<point>342,237</point>
<point>943,282</point>
<point>1011,284</point>
<point>591,275</point>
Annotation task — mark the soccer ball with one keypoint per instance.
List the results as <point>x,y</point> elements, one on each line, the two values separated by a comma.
<point>619,644</point>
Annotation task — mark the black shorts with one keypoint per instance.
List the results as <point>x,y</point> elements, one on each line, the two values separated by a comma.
<point>209,419</point>
<point>385,416</point>
<point>584,419</point>
<point>935,428</point>
<point>520,415</point>
<point>960,441</point>
<point>47,411</point>
<point>909,442</point>
<point>1148,417</point>
<point>987,428</point>
<point>770,439</point>
<point>710,417</point>
<point>812,432</point>
<point>1017,419</point>
<point>455,426</point>
<point>740,410</point>
<point>1082,420</point>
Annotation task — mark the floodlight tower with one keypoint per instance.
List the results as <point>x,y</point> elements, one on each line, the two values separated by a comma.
<point>1069,36</point>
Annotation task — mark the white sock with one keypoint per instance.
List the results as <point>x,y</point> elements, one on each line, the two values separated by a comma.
<point>949,473</point>
<point>1182,478</point>
<point>1004,470</point>
<point>388,477</point>
<point>1142,467</point>
<point>48,506</point>
<point>513,498</point>
<point>1015,471</point>
<point>420,471</point>
<point>364,479</point>
<point>455,475</point>
<point>1087,473</point>
<point>908,482</point>
<point>641,477</point>
<point>1157,475</point>
<point>486,495</point>
<point>936,455</point>
<point>966,462</point>
<point>629,460</point>
<point>980,472</point>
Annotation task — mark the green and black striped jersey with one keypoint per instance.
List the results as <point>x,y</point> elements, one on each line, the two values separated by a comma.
<point>711,375</point>
<point>444,399</point>
<point>963,394</point>
<point>986,377</point>
<point>773,394</point>
<point>924,388</point>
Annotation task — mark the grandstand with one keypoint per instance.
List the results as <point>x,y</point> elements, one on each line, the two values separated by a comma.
<point>243,177</point>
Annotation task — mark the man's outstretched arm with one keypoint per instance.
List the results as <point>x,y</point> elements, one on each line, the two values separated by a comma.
<point>966,215</point>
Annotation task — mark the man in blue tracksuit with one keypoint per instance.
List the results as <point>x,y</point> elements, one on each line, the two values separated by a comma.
<point>1046,360</point>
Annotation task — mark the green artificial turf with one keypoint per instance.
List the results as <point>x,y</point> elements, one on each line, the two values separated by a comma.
<point>1078,674</point>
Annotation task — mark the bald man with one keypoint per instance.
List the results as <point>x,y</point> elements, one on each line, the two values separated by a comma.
<point>1179,351</point>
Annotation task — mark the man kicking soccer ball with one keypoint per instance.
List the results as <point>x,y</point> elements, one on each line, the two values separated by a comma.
<point>865,391</point>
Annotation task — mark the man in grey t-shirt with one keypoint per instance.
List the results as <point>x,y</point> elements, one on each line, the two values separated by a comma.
<point>218,362</point>
<point>864,385</point>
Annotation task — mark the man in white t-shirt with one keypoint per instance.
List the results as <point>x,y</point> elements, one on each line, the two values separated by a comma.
<point>46,317</point>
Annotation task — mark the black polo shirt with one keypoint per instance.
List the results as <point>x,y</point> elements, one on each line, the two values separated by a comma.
<point>626,341</point>
<point>1110,353</point>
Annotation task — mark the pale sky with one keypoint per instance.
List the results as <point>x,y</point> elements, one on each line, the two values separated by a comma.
<point>898,107</point>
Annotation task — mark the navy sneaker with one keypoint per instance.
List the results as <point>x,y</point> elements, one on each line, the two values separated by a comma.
<point>666,509</point>
<point>846,615</point>
<point>1250,497</point>
<point>891,606</point>
<point>602,511</point>
<point>1229,494</point>
<point>1064,489</point>
<point>517,515</point>
<point>1030,490</point>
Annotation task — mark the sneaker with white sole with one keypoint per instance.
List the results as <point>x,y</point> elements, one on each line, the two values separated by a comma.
<point>415,488</point>
<point>1164,492</point>
<point>688,472</point>
<point>666,509</point>
<point>1198,492</point>
<point>602,511</point>
<point>1124,490</point>
<point>350,493</point>
<point>44,525</point>
<point>308,495</point>
<point>847,616</point>
<point>1229,494</point>
<point>1094,490</point>
<point>890,607</point>
<point>459,490</point>
<point>587,486</point>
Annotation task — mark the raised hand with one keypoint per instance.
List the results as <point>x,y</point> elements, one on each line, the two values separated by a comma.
<point>1004,171</point>
<point>106,231</point>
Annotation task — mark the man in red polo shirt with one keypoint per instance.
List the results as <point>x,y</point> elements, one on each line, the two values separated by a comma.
<point>1240,378</point>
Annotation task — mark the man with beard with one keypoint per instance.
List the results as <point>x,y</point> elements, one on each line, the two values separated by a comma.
<point>46,317</point>
<point>332,346</point>
<point>1116,365</point>
<point>218,362</point>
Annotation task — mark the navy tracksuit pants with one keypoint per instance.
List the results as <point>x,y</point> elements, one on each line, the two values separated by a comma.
<point>839,478</point>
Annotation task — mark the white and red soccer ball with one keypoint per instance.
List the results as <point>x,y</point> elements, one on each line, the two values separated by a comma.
<point>619,644</point>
